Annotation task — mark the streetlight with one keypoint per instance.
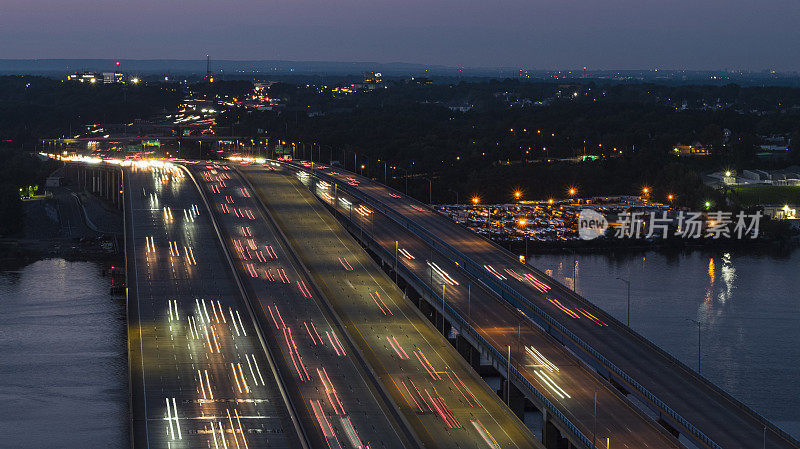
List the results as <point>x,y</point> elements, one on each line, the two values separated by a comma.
<point>670,197</point>
<point>522,222</point>
<point>443,331</point>
<point>698,341</point>
<point>628,283</point>
<point>572,192</point>
<point>517,195</point>
<point>430,191</point>
<point>508,378</point>
<point>454,191</point>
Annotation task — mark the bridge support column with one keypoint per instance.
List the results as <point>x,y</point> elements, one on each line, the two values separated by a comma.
<point>516,400</point>
<point>551,436</point>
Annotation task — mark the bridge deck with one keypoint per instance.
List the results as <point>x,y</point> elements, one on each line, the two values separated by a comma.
<point>388,329</point>
<point>727,422</point>
<point>335,400</point>
<point>180,353</point>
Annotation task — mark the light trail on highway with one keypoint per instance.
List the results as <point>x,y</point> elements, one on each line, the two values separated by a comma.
<point>572,388</point>
<point>329,386</point>
<point>199,376</point>
<point>684,392</point>
<point>434,387</point>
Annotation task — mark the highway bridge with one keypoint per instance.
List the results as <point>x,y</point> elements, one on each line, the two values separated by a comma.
<point>247,330</point>
<point>567,351</point>
<point>200,376</point>
<point>274,304</point>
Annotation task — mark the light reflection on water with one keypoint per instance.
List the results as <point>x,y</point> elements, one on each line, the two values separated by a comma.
<point>63,359</point>
<point>748,306</point>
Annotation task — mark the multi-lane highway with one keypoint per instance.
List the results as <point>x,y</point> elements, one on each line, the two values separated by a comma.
<point>442,399</point>
<point>544,362</point>
<point>725,421</point>
<point>199,374</point>
<point>337,402</point>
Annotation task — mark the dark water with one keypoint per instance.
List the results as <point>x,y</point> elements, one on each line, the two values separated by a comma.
<point>749,306</point>
<point>63,358</point>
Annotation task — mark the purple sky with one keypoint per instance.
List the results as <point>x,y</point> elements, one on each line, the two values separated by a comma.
<point>553,34</point>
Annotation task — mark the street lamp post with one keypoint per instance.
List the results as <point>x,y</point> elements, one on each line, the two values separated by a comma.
<point>628,283</point>
<point>443,331</point>
<point>698,341</point>
<point>454,191</point>
<point>522,224</point>
<point>508,378</point>
<point>594,431</point>
<point>430,192</point>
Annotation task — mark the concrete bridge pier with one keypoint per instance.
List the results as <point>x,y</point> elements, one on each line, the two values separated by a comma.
<point>551,436</point>
<point>102,181</point>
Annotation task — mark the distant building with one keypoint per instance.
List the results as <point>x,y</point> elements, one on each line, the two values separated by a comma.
<point>781,212</point>
<point>372,77</point>
<point>371,81</point>
<point>84,77</point>
<point>696,149</point>
<point>774,147</point>
<point>420,81</point>
<point>113,77</point>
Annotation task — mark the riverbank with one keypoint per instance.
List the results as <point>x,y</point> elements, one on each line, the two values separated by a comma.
<point>71,226</point>
<point>609,246</point>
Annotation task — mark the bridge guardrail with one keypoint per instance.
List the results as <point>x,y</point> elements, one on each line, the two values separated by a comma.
<point>518,300</point>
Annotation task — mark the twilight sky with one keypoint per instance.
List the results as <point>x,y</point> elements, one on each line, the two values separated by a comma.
<point>538,34</point>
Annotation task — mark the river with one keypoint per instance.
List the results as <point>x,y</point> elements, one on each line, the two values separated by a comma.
<point>748,306</point>
<point>63,358</point>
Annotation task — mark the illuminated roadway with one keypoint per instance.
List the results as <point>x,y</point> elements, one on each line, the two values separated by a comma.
<point>727,422</point>
<point>573,387</point>
<point>196,379</point>
<point>442,398</point>
<point>337,403</point>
